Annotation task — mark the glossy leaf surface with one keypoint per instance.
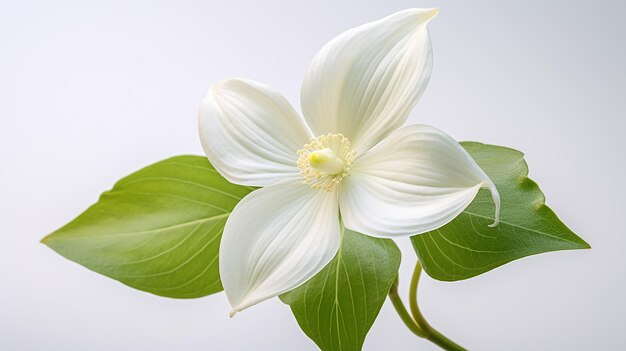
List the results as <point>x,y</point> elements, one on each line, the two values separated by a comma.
<point>467,246</point>
<point>337,307</point>
<point>158,230</point>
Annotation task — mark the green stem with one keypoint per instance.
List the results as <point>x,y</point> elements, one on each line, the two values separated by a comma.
<point>431,333</point>
<point>402,312</point>
<point>417,323</point>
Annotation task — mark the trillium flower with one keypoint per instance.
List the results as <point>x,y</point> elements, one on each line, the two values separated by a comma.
<point>348,160</point>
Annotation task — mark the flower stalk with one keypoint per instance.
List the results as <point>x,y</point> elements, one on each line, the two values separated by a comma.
<point>416,321</point>
<point>402,312</point>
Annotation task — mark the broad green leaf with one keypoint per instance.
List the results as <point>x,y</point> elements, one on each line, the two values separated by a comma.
<point>337,307</point>
<point>158,230</point>
<point>467,246</point>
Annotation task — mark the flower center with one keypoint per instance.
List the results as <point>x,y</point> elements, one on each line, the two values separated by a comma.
<point>325,161</point>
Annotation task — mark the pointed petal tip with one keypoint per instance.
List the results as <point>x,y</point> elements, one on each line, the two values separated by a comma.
<point>217,87</point>
<point>432,12</point>
<point>424,14</point>
<point>226,83</point>
<point>233,312</point>
<point>496,200</point>
<point>213,89</point>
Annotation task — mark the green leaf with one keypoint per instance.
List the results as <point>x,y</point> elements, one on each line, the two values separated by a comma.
<point>467,246</point>
<point>337,307</point>
<point>158,230</point>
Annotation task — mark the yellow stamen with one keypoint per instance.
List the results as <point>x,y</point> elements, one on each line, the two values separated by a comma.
<point>325,161</point>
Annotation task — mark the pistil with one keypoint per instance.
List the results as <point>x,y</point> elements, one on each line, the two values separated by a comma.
<point>325,161</point>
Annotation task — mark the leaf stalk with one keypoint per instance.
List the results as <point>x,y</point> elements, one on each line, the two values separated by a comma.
<point>416,321</point>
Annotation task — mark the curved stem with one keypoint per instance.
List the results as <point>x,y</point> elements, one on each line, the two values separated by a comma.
<point>431,333</point>
<point>402,312</point>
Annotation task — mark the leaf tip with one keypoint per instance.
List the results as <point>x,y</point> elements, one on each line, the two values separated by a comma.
<point>50,239</point>
<point>45,240</point>
<point>585,245</point>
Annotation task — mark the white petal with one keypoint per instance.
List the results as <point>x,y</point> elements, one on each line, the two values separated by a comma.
<point>416,180</point>
<point>250,133</point>
<point>275,240</point>
<point>365,82</point>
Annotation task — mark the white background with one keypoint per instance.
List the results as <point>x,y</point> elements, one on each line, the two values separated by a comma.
<point>92,91</point>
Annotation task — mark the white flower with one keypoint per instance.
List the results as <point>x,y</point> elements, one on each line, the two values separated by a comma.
<point>347,160</point>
